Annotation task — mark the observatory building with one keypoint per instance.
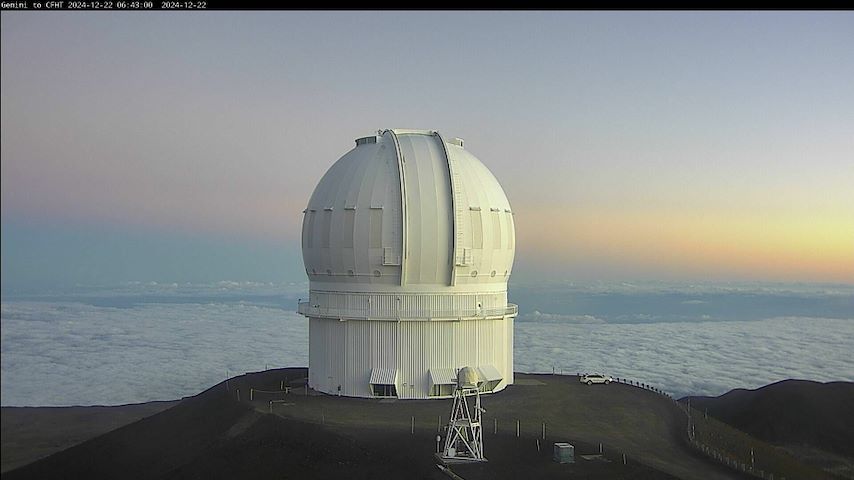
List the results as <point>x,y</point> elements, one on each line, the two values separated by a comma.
<point>408,243</point>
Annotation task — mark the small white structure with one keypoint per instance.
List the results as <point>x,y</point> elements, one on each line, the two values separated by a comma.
<point>464,441</point>
<point>564,453</point>
<point>408,242</point>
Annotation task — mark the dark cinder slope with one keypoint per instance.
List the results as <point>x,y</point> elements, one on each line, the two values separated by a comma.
<point>213,436</point>
<point>253,427</point>
<point>31,433</point>
<point>790,412</point>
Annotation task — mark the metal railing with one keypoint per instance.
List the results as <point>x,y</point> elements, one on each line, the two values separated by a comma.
<point>309,310</point>
<point>718,453</point>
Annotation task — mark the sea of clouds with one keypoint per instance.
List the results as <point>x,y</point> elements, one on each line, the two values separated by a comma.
<point>77,354</point>
<point>142,342</point>
<point>693,358</point>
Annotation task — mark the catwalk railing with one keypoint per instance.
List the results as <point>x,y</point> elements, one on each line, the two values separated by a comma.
<point>309,310</point>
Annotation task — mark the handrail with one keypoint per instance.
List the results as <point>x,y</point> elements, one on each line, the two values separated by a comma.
<point>305,308</point>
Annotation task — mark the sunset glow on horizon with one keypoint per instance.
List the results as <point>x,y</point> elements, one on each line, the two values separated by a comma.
<point>631,145</point>
<point>696,246</point>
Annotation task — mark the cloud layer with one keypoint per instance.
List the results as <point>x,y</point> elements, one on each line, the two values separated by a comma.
<point>156,342</point>
<point>78,354</point>
<point>537,316</point>
<point>693,358</point>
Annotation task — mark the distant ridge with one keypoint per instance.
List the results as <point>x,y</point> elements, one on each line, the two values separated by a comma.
<point>790,412</point>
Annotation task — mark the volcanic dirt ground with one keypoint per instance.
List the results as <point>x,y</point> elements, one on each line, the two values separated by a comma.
<point>268,425</point>
<point>31,433</point>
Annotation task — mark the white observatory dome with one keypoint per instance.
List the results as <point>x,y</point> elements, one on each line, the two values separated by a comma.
<point>407,234</point>
<point>458,227</point>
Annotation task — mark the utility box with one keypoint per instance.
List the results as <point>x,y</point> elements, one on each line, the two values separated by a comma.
<point>564,453</point>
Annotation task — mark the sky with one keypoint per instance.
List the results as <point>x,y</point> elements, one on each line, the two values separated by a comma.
<point>183,146</point>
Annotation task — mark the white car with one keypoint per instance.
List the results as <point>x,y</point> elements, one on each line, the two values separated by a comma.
<point>591,378</point>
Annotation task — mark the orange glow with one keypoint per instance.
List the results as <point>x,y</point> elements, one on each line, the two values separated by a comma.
<point>771,246</point>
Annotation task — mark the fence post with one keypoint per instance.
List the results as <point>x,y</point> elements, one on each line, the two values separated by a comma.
<point>495,426</point>
<point>517,428</point>
<point>238,394</point>
<point>544,430</point>
<point>412,427</point>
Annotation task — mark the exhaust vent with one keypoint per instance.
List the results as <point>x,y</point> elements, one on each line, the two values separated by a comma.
<point>365,140</point>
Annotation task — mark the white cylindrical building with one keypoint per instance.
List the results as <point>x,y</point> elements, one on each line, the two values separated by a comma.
<point>408,243</point>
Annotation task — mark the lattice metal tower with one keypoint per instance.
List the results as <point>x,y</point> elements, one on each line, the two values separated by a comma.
<point>464,442</point>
